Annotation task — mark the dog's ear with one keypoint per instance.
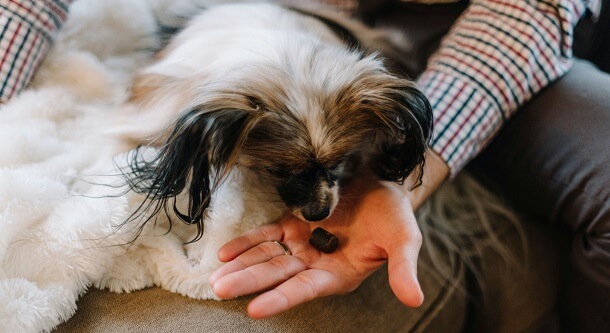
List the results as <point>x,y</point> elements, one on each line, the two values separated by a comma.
<point>200,150</point>
<point>406,115</point>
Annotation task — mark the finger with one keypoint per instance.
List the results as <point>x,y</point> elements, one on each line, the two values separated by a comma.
<point>237,246</point>
<point>258,277</point>
<point>301,288</point>
<point>256,255</point>
<point>402,271</point>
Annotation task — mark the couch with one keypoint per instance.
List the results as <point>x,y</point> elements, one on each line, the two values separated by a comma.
<point>551,164</point>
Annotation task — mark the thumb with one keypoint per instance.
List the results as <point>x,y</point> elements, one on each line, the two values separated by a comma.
<point>402,271</point>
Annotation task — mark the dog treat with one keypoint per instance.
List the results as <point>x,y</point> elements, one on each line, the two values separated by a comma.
<point>323,240</point>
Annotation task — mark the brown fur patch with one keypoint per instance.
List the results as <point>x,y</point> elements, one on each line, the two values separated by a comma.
<point>144,85</point>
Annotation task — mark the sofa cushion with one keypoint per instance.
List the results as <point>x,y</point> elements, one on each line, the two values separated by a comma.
<point>370,308</point>
<point>471,269</point>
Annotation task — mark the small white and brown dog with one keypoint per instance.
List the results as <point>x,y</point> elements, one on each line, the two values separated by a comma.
<point>300,97</point>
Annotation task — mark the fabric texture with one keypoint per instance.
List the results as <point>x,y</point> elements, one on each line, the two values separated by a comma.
<point>371,308</point>
<point>27,29</point>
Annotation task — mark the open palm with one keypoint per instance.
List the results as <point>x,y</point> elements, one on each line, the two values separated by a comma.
<point>374,222</point>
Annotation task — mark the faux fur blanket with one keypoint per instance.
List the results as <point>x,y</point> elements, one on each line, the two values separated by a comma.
<point>62,196</point>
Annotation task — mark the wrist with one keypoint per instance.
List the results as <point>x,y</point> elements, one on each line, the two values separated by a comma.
<point>435,173</point>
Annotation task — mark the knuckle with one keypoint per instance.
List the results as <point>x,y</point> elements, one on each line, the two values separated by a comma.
<point>266,250</point>
<point>279,264</point>
<point>245,240</point>
<point>264,233</point>
<point>302,264</point>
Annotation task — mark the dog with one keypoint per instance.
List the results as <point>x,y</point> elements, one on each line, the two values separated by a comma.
<point>300,96</point>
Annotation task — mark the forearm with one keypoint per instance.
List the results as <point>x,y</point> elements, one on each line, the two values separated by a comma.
<point>435,172</point>
<point>495,58</point>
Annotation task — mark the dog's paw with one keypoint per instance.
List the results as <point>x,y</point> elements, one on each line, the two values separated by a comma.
<point>124,285</point>
<point>125,276</point>
<point>201,291</point>
<point>197,288</point>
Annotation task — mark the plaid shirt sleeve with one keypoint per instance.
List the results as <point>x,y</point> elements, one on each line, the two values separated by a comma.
<point>27,28</point>
<point>495,58</point>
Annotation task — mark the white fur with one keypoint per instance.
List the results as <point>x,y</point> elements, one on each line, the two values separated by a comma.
<point>225,44</point>
<point>58,224</point>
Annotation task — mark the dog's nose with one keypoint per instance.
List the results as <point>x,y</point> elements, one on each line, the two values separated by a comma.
<point>313,214</point>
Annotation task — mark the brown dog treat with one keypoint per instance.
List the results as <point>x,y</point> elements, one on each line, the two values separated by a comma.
<point>323,240</point>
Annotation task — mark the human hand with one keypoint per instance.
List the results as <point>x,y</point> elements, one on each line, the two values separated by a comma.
<point>374,222</point>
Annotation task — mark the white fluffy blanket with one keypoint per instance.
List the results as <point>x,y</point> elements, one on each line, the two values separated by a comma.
<point>60,194</point>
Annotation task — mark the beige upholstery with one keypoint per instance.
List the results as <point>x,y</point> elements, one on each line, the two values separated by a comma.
<point>514,295</point>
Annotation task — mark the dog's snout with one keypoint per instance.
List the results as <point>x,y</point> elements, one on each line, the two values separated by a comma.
<point>310,195</point>
<point>313,214</point>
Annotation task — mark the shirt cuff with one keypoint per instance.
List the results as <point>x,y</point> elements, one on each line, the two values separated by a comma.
<point>27,28</point>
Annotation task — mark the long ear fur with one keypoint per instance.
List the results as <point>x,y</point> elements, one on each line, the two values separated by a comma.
<point>408,116</point>
<point>200,151</point>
